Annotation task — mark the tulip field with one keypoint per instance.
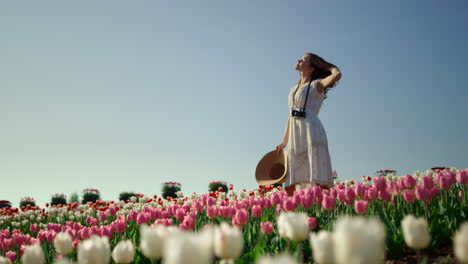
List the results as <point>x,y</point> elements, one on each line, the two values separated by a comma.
<point>413,218</point>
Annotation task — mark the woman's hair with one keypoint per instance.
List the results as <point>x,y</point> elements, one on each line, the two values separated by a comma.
<point>321,70</point>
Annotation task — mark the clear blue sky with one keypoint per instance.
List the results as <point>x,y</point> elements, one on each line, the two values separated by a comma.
<point>124,95</point>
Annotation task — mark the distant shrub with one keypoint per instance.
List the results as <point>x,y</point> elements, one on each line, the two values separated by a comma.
<point>91,195</point>
<point>216,185</point>
<point>58,199</point>
<point>5,204</point>
<point>170,189</point>
<point>74,198</point>
<point>25,201</point>
<point>124,196</point>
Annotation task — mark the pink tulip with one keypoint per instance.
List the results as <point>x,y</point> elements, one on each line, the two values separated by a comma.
<point>91,220</point>
<point>409,195</point>
<point>450,174</point>
<point>112,211</point>
<point>266,227</point>
<point>360,206</point>
<point>75,243</point>
<point>371,194</point>
<point>307,200</point>
<point>462,177</point>
<point>401,183</point>
<point>341,195</point>
<point>7,244</point>
<point>210,201</point>
<point>21,251</point>
<point>242,216</point>
<point>408,181</point>
<point>350,194</point>
<point>275,198</point>
<point>50,235</point>
<point>297,198</point>
<point>267,203</point>
<point>132,215</point>
<point>312,222</point>
<point>393,187</point>
<point>385,195</point>
<point>106,231</point>
<point>317,193</point>
<point>445,182</point>
<point>58,227</point>
<point>212,211</point>
<point>180,214</point>
<point>328,202</point>
<point>142,218</point>
<point>103,216</point>
<point>427,181</point>
<point>256,211</point>
<point>33,228</point>
<point>380,183</point>
<point>422,193</point>
<point>288,204</point>
<point>433,192</point>
<point>94,230</point>
<point>359,190</point>
<point>11,255</point>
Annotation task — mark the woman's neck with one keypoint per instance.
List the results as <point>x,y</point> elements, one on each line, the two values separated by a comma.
<point>306,77</point>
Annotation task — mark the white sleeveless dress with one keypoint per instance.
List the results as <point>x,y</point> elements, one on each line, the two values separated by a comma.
<point>309,160</point>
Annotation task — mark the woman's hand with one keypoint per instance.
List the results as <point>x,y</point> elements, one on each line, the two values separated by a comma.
<point>280,146</point>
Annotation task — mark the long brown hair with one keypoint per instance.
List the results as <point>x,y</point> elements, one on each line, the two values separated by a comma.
<point>321,70</point>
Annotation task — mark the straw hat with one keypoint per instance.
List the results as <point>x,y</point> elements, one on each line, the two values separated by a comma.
<point>272,168</point>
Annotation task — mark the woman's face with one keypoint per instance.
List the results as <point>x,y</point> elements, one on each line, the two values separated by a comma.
<point>303,64</point>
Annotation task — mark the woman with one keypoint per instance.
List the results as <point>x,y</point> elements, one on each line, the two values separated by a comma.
<point>309,161</point>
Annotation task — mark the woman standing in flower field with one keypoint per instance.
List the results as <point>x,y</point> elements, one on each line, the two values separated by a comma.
<point>309,160</point>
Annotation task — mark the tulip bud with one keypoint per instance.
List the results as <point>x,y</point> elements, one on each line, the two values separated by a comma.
<point>322,245</point>
<point>282,258</point>
<point>266,227</point>
<point>33,255</point>
<point>293,226</point>
<point>63,243</point>
<point>460,243</point>
<point>95,250</point>
<point>4,260</point>
<point>124,251</point>
<point>415,232</point>
<point>228,242</point>
<point>359,240</point>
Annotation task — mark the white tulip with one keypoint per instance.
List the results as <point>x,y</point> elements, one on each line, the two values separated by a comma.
<point>278,259</point>
<point>4,260</point>
<point>33,255</point>
<point>152,240</point>
<point>63,243</point>
<point>228,242</point>
<point>95,250</point>
<point>293,226</point>
<point>124,252</point>
<point>322,245</point>
<point>415,232</point>
<point>359,240</point>
<point>187,247</point>
<point>64,261</point>
<point>460,243</point>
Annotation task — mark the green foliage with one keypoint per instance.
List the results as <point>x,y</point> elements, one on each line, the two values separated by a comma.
<point>214,186</point>
<point>124,196</point>
<point>74,198</point>
<point>58,201</point>
<point>90,197</point>
<point>170,189</point>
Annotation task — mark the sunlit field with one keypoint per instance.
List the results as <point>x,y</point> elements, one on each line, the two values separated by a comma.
<point>418,218</point>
